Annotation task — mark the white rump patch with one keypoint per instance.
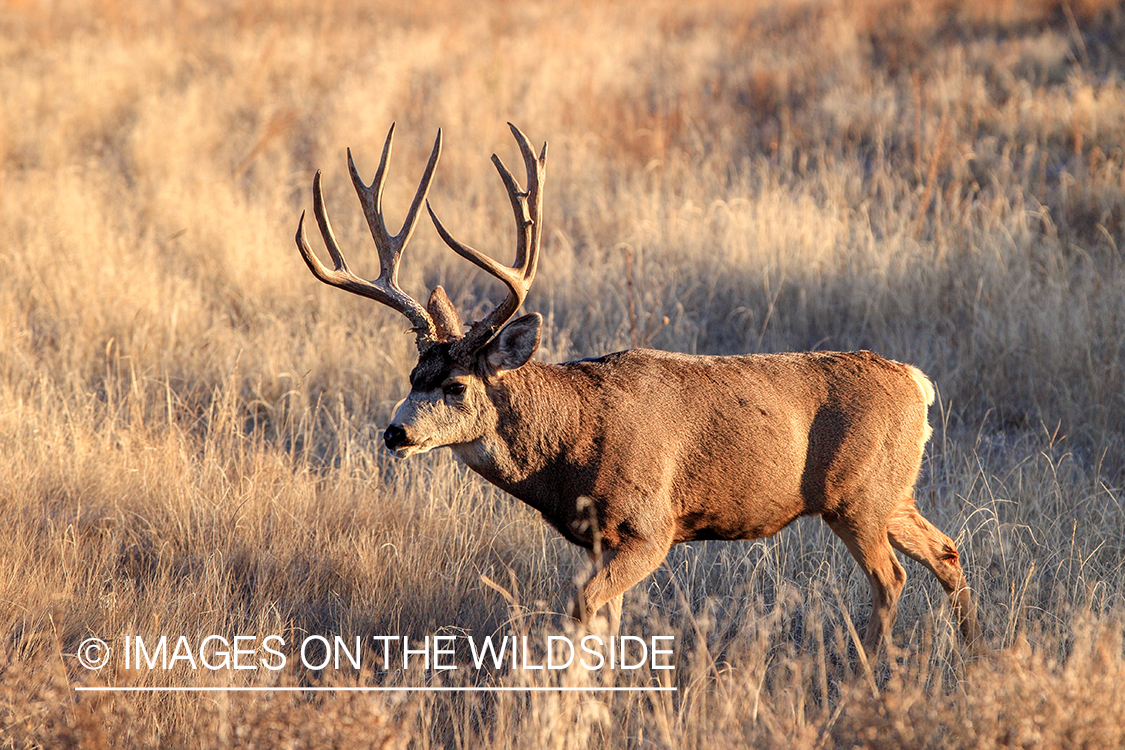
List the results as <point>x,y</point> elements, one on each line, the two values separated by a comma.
<point>927,389</point>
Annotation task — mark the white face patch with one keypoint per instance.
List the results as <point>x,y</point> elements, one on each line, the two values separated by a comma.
<point>406,451</point>
<point>415,414</point>
<point>432,419</point>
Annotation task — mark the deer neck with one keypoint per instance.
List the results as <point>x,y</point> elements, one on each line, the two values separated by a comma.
<point>537,412</point>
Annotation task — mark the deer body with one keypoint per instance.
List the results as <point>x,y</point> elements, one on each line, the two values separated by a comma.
<point>644,449</point>
<point>630,453</point>
<point>730,457</point>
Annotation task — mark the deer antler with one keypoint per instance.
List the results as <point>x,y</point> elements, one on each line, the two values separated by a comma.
<point>384,289</point>
<point>528,209</point>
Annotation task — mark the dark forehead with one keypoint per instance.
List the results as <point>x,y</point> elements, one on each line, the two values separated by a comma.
<point>432,369</point>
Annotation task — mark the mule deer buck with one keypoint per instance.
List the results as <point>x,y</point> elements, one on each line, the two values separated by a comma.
<point>630,453</point>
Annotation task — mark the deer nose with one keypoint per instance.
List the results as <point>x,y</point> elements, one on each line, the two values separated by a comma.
<point>394,436</point>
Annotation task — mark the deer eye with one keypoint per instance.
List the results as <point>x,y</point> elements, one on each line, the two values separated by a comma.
<point>454,389</point>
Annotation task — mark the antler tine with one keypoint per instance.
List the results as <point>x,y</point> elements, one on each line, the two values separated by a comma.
<point>527,207</point>
<point>384,289</point>
<point>533,166</point>
<point>371,198</point>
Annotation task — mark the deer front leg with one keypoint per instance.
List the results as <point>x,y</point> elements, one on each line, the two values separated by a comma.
<point>616,571</point>
<point>612,621</point>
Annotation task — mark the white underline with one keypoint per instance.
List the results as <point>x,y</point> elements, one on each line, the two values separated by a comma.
<point>437,689</point>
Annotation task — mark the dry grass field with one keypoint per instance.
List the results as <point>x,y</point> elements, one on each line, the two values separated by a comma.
<point>190,423</point>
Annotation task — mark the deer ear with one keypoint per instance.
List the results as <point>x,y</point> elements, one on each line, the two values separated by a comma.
<point>514,345</point>
<point>444,315</point>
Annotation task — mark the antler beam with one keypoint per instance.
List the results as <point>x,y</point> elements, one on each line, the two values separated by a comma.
<point>528,208</point>
<point>385,288</point>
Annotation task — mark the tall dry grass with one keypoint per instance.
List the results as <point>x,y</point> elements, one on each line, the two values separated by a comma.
<point>189,422</point>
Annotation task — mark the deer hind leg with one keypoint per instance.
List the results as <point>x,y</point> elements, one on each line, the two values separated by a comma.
<point>919,539</point>
<point>616,572</point>
<point>872,550</point>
